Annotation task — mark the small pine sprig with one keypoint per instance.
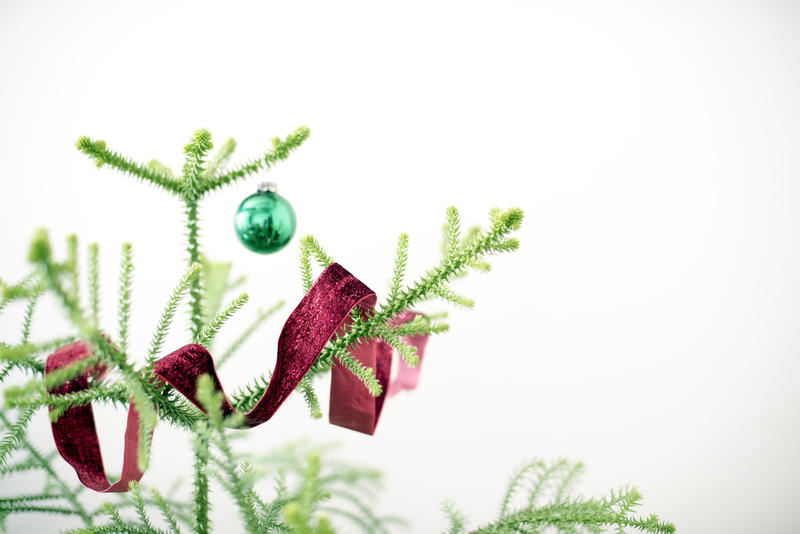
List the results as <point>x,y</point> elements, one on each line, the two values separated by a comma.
<point>452,297</point>
<point>455,518</point>
<point>310,396</point>
<point>210,330</point>
<point>94,283</point>
<point>101,155</point>
<point>201,505</point>
<point>15,433</point>
<point>400,262</point>
<point>195,152</point>
<point>138,504</point>
<point>310,247</point>
<point>516,480</point>
<point>248,395</point>
<point>494,240</point>
<point>33,395</point>
<point>549,482</point>
<point>28,318</point>
<point>279,152</point>
<point>24,355</point>
<point>55,487</point>
<point>237,480</point>
<point>299,513</point>
<point>459,254</point>
<point>71,265</point>
<point>452,230</point>
<point>407,352</point>
<point>170,308</point>
<point>125,281</point>
<point>167,513</point>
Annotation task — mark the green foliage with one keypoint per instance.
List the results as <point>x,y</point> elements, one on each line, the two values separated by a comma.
<point>94,284</point>
<point>40,250</point>
<point>459,255</point>
<point>195,152</point>
<point>547,505</point>
<point>59,496</point>
<point>14,434</point>
<point>169,311</point>
<point>210,330</point>
<point>311,493</point>
<point>125,280</point>
<point>400,261</point>
<point>26,322</point>
<point>279,152</point>
<point>101,155</point>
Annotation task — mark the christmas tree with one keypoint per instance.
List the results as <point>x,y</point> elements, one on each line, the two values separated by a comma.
<point>339,328</point>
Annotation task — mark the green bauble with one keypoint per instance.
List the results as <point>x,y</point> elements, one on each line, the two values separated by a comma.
<point>265,222</point>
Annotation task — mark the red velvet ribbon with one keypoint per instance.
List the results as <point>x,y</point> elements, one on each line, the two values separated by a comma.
<point>316,319</point>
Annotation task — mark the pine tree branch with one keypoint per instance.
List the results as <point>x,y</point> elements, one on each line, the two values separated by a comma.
<point>210,330</point>
<point>447,294</point>
<point>192,181</point>
<point>455,517</point>
<point>102,156</point>
<point>280,151</point>
<point>312,401</point>
<point>26,322</point>
<point>171,307</point>
<point>71,266</point>
<point>407,352</point>
<point>193,256</point>
<point>502,223</point>
<point>400,262</point>
<point>516,480</point>
<point>166,511</point>
<point>310,247</point>
<point>94,285</point>
<point>116,394</point>
<point>15,434</point>
<point>124,309</point>
<point>200,442</point>
<point>138,504</point>
<point>44,463</point>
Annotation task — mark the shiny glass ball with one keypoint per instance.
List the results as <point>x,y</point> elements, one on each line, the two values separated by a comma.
<point>265,222</point>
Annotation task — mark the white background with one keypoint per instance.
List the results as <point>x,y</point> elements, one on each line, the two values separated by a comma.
<point>649,323</point>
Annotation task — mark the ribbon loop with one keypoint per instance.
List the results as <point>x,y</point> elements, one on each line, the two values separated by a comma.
<point>323,310</point>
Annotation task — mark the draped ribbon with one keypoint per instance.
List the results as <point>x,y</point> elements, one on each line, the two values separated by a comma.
<point>323,311</point>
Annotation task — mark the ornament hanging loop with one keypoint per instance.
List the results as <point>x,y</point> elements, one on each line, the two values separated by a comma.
<point>267,187</point>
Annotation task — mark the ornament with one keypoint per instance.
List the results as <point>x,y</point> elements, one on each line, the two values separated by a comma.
<point>265,221</point>
<point>324,309</point>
